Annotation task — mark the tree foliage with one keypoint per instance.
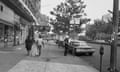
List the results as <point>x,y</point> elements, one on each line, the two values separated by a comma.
<point>99,30</point>
<point>65,12</point>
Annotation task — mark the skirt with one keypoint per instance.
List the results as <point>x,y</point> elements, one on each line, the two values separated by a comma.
<point>34,50</point>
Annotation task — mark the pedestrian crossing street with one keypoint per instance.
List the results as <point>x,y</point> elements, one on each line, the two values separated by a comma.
<point>38,66</point>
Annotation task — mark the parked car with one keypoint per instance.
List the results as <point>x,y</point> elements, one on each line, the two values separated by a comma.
<point>81,47</point>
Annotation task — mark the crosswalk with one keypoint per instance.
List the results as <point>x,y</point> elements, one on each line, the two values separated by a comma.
<point>37,66</point>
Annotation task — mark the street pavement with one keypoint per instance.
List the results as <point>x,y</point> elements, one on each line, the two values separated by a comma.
<point>95,59</point>
<point>52,59</point>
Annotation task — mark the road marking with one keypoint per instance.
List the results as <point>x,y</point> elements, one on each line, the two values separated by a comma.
<point>37,66</point>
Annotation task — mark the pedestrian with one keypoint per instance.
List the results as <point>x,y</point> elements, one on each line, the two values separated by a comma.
<point>66,41</point>
<point>36,35</point>
<point>40,44</point>
<point>34,49</point>
<point>28,44</point>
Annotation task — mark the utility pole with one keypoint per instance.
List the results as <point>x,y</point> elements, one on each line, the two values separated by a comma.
<point>113,57</point>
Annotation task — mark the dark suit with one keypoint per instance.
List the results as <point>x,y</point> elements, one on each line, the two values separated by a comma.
<point>66,46</point>
<point>28,44</point>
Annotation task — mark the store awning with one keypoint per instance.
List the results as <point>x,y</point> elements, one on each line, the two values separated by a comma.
<point>19,9</point>
<point>6,22</point>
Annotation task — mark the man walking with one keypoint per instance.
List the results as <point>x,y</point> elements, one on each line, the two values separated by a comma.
<point>40,44</point>
<point>66,40</point>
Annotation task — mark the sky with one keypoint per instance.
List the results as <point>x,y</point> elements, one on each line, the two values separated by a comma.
<point>95,8</point>
<point>48,5</point>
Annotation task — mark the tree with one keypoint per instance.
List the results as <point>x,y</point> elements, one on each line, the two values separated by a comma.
<point>67,11</point>
<point>99,30</point>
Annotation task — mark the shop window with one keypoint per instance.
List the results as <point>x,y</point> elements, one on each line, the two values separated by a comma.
<point>1,8</point>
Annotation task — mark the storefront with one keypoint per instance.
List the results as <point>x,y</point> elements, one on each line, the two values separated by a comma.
<point>1,35</point>
<point>25,26</point>
<point>6,25</point>
<point>6,33</point>
<point>12,30</point>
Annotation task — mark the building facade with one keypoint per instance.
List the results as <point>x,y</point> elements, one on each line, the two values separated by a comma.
<point>34,6</point>
<point>13,30</point>
<point>6,23</point>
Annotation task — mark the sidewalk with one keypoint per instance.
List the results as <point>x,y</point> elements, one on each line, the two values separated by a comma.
<point>10,56</point>
<point>52,60</point>
<point>11,47</point>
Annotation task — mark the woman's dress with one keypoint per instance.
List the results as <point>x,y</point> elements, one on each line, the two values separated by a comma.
<point>34,50</point>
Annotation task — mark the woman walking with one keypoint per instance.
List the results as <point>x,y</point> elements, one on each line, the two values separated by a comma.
<point>28,44</point>
<point>34,50</point>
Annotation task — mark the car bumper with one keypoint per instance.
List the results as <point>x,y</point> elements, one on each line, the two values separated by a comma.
<point>85,50</point>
